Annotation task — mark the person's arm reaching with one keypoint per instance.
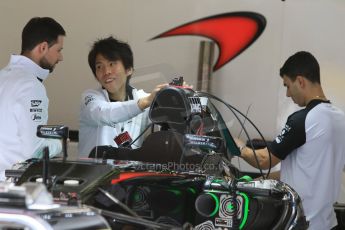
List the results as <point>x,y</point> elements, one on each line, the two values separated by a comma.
<point>145,102</point>
<point>262,156</point>
<point>98,111</point>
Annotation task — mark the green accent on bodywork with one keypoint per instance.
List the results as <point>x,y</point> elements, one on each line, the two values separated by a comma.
<point>217,203</point>
<point>217,180</point>
<point>246,178</point>
<point>230,207</point>
<point>192,190</point>
<point>246,209</point>
<point>136,197</point>
<point>175,191</point>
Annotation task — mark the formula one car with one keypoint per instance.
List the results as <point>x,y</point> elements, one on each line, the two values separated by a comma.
<point>180,178</point>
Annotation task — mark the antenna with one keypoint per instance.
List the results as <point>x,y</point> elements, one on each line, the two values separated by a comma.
<point>240,133</point>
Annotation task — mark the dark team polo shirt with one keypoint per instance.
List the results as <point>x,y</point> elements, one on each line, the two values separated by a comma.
<point>293,134</point>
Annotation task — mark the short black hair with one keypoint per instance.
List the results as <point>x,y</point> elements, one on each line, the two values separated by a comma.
<point>40,29</point>
<point>303,64</point>
<point>113,50</point>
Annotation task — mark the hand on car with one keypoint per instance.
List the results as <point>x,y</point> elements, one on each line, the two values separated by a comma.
<point>145,102</point>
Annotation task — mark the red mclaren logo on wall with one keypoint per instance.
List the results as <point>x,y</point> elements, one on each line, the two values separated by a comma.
<point>232,32</point>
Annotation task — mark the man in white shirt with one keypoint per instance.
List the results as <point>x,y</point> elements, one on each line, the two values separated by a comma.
<point>311,146</point>
<point>24,102</point>
<point>115,107</point>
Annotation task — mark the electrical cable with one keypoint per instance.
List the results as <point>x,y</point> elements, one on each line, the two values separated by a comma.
<point>245,130</point>
<point>233,109</point>
<point>138,219</point>
<point>142,133</point>
<point>244,121</point>
<point>119,203</point>
<point>119,217</point>
<point>240,133</point>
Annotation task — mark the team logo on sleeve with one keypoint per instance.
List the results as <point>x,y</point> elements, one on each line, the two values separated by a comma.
<point>36,110</point>
<point>88,99</point>
<point>36,117</point>
<point>35,103</point>
<point>281,136</point>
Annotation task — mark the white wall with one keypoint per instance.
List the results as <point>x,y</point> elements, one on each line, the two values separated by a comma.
<point>250,79</point>
<point>137,21</point>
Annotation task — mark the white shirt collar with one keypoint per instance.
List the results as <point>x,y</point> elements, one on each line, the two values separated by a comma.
<point>31,66</point>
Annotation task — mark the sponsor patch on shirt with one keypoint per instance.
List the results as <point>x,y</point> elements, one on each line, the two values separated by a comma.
<point>88,99</point>
<point>36,117</point>
<point>36,110</point>
<point>35,103</point>
<point>285,130</point>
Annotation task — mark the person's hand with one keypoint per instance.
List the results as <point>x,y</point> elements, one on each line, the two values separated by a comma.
<point>186,85</point>
<point>145,102</point>
<point>240,144</point>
